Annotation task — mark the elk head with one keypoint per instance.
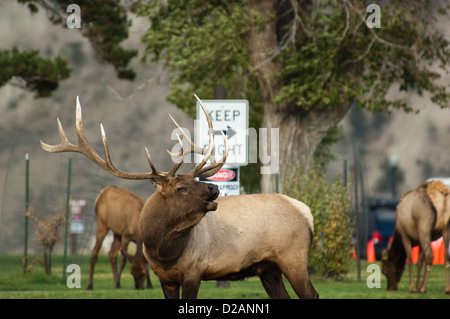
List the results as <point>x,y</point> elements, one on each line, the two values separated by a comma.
<point>138,266</point>
<point>169,186</point>
<point>392,269</point>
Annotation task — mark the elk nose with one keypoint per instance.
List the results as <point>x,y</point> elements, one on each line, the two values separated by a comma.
<point>213,190</point>
<point>213,187</point>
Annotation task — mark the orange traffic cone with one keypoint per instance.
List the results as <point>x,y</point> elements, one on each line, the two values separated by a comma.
<point>370,252</point>
<point>441,252</point>
<point>437,248</point>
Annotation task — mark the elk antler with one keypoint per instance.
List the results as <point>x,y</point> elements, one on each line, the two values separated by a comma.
<point>86,149</point>
<point>200,170</point>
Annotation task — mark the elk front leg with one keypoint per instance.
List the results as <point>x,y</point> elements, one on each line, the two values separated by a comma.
<point>171,291</point>
<point>99,236</point>
<point>115,247</point>
<point>147,278</point>
<point>190,289</point>
<point>407,245</point>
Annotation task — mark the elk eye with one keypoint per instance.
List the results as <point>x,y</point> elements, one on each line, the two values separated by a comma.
<point>182,189</point>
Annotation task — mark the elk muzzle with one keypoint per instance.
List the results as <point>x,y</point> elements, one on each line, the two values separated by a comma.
<point>139,282</point>
<point>210,205</point>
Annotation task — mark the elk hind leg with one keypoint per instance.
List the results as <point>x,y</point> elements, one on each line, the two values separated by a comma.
<point>114,251</point>
<point>272,282</point>
<point>296,272</point>
<point>419,268</point>
<point>123,259</point>
<point>426,244</point>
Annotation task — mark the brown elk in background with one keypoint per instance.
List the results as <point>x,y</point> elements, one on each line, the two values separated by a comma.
<point>118,209</point>
<point>423,215</point>
<point>263,234</point>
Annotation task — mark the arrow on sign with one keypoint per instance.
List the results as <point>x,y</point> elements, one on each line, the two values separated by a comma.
<point>229,132</point>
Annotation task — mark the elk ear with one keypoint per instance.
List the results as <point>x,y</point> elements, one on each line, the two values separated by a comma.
<point>159,185</point>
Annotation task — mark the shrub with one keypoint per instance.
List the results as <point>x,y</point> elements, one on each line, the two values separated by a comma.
<point>330,203</point>
<point>50,231</point>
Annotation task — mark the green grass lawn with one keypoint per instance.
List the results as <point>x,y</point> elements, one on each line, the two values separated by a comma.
<point>36,284</point>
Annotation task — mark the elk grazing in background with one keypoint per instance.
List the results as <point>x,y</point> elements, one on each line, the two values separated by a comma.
<point>423,215</point>
<point>118,209</point>
<point>247,235</point>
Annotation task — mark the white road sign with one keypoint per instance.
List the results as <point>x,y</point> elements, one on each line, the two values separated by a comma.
<point>230,117</point>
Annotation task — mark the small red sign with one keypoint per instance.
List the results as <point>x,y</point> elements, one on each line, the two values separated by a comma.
<point>223,175</point>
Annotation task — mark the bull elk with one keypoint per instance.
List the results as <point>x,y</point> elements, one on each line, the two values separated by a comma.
<point>262,234</point>
<point>118,209</point>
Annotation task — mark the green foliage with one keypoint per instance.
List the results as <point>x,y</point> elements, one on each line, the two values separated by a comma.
<point>336,58</point>
<point>104,23</point>
<point>204,43</point>
<point>40,75</point>
<point>330,204</point>
<point>323,153</point>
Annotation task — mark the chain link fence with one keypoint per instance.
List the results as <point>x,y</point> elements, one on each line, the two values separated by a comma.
<point>48,187</point>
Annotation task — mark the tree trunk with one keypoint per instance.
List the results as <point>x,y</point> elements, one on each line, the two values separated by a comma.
<point>299,136</point>
<point>262,44</point>
<point>299,131</point>
<point>48,260</point>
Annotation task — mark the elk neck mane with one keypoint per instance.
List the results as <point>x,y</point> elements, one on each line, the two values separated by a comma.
<point>167,234</point>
